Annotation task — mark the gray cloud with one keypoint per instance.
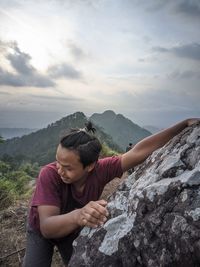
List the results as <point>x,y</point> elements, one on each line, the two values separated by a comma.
<point>76,51</point>
<point>188,8</point>
<point>160,49</point>
<point>20,62</point>
<point>64,71</point>
<point>57,98</point>
<point>26,75</point>
<point>185,8</point>
<point>155,6</point>
<point>183,75</point>
<point>20,80</point>
<point>4,93</point>
<point>88,3</point>
<point>191,51</point>
<point>9,4</point>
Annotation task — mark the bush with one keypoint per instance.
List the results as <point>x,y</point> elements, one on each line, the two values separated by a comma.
<point>4,168</point>
<point>20,181</point>
<point>107,152</point>
<point>30,169</point>
<point>7,195</point>
<point>14,182</point>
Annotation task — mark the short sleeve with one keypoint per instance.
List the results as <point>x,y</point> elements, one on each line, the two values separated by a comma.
<point>47,188</point>
<point>109,168</point>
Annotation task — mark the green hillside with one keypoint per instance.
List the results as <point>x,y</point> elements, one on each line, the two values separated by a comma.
<point>41,146</point>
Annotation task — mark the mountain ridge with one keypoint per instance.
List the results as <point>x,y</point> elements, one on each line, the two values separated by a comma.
<point>41,146</point>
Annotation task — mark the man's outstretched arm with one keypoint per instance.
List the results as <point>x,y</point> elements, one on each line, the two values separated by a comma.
<point>146,146</point>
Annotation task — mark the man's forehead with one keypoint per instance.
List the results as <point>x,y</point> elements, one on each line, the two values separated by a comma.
<point>67,157</point>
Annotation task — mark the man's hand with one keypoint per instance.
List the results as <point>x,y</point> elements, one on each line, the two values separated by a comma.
<point>192,121</point>
<point>93,214</point>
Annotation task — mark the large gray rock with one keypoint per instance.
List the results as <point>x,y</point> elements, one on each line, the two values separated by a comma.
<point>154,215</point>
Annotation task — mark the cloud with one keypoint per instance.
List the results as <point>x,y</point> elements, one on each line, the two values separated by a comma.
<point>20,61</point>
<point>21,80</point>
<point>188,74</point>
<point>185,8</point>
<point>190,51</point>
<point>76,51</point>
<point>4,93</point>
<point>155,6</point>
<point>160,49</point>
<point>62,98</point>
<point>64,71</point>
<point>188,8</point>
<point>25,74</point>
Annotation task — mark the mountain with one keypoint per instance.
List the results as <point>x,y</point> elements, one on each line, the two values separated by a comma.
<point>8,133</point>
<point>41,146</point>
<point>122,130</point>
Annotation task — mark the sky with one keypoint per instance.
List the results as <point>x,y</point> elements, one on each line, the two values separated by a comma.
<point>138,58</point>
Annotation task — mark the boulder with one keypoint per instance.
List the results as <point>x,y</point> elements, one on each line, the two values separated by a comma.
<point>154,216</point>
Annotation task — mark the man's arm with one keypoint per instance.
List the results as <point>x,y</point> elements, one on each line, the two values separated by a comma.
<point>145,147</point>
<point>54,225</point>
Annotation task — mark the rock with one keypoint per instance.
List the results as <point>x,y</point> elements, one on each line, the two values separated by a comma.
<point>154,215</point>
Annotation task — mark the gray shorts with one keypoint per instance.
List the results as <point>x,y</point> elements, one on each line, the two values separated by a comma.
<point>39,250</point>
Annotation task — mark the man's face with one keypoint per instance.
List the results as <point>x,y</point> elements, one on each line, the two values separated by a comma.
<point>69,166</point>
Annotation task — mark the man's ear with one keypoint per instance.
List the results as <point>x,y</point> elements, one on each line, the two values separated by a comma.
<point>91,167</point>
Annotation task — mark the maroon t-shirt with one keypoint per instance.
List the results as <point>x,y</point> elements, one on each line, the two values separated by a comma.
<point>51,190</point>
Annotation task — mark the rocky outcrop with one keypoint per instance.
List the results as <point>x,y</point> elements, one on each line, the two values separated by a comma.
<point>154,215</point>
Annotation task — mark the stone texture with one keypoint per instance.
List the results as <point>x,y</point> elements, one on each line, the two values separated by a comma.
<point>154,215</point>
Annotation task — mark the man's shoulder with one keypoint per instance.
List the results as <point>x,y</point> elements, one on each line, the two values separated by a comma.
<point>49,170</point>
<point>108,161</point>
<point>49,166</point>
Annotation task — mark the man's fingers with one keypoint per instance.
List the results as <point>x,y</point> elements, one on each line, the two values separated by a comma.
<point>94,213</point>
<point>84,221</point>
<point>191,121</point>
<point>95,220</point>
<point>98,207</point>
<point>102,202</point>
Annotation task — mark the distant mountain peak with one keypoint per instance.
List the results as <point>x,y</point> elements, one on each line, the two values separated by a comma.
<point>75,115</point>
<point>122,129</point>
<point>109,112</point>
<point>78,114</point>
<point>106,114</point>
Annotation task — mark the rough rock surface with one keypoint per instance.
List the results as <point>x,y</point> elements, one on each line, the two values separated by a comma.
<point>154,215</point>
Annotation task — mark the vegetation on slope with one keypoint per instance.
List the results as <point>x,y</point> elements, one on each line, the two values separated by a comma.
<point>14,181</point>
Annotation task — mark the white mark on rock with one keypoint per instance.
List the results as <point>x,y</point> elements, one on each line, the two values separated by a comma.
<point>192,138</point>
<point>116,228</point>
<point>195,214</point>
<point>184,196</point>
<point>179,224</point>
